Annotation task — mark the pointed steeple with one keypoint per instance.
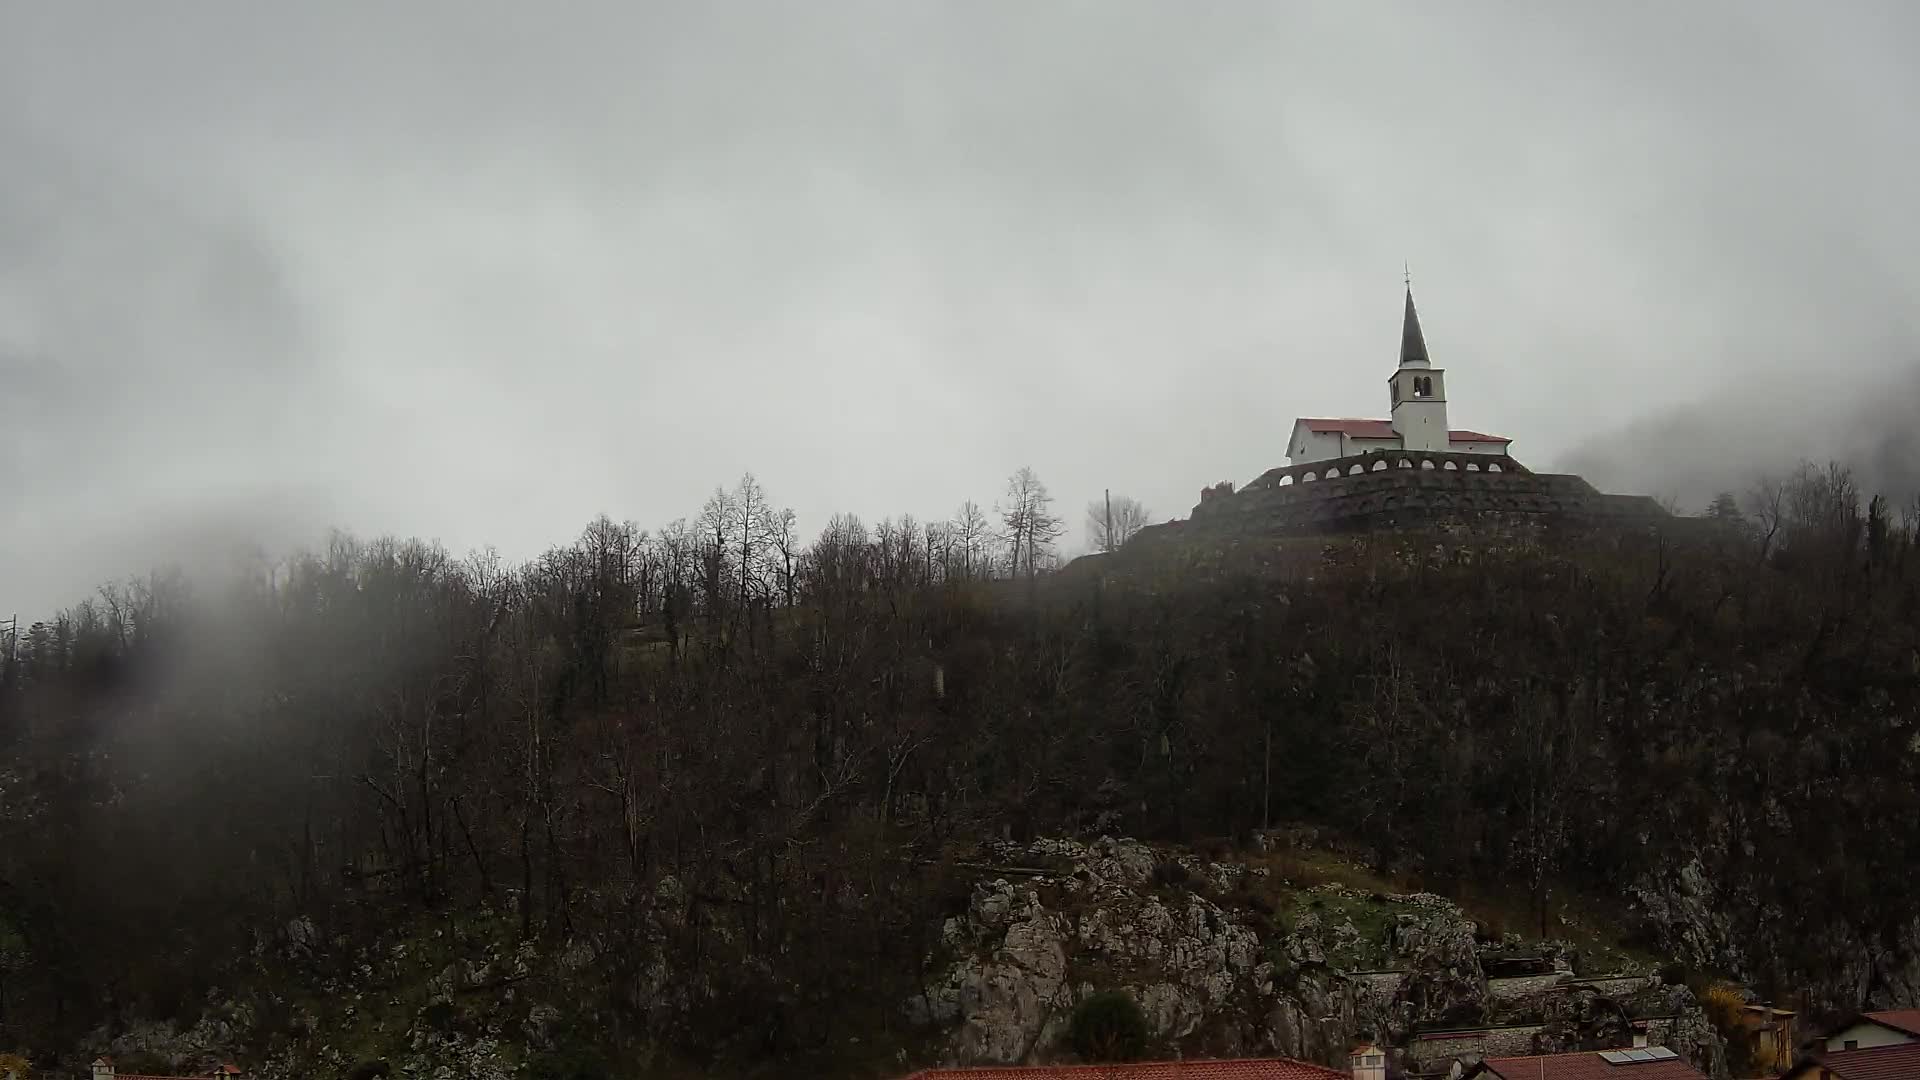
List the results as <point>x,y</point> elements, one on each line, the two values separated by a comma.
<point>1413,344</point>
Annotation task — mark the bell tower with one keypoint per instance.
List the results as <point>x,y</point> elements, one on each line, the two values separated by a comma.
<point>1419,390</point>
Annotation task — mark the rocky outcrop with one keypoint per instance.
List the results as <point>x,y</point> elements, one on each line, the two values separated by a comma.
<point>1691,908</point>
<point>1010,989</point>
<point>1217,974</point>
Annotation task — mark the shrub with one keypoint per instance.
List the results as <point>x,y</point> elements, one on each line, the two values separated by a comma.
<point>1108,1026</point>
<point>438,1015</point>
<point>1169,873</point>
<point>574,1061</point>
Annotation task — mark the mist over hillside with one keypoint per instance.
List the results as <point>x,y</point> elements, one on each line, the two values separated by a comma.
<point>1691,452</point>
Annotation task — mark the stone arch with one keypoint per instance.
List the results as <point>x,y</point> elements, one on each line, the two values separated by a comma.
<point>1308,478</point>
<point>1426,463</point>
<point>1472,467</point>
<point>1356,470</point>
<point>1405,464</point>
<point>1333,473</point>
<point>1380,466</point>
<point>1450,466</point>
<point>1493,466</point>
<point>1285,481</point>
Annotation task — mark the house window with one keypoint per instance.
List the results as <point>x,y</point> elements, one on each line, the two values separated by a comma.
<point>1851,1044</point>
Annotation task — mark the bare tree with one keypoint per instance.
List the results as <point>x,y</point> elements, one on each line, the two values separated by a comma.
<point>972,540</point>
<point>753,527</point>
<point>785,537</point>
<point>1028,522</point>
<point>1113,521</point>
<point>1766,506</point>
<point>715,529</point>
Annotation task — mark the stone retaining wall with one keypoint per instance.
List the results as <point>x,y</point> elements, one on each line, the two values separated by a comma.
<point>1514,987</point>
<point>1384,497</point>
<point>1429,1050</point>
<point>1618,986</point>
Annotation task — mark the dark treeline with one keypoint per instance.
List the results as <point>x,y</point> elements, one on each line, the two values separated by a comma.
<point>776,739</point>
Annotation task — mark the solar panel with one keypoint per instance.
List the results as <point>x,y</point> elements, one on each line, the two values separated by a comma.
<point>1614,1057</point>
<point>1640,1055</point>
<point>1661,1053</point>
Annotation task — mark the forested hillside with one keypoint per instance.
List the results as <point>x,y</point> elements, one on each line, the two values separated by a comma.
<point>1710,730</point>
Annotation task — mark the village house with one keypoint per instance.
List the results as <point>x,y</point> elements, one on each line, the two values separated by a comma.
<point>1870,1046</point>
<point>1898,1062</point>
<point>1869,1030</point>
<point>1364,1063</point>
<point>1643,1063</point>
<point>1766,1036</point>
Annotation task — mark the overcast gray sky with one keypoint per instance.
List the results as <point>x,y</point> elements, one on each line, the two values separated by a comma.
<point>479,271</point>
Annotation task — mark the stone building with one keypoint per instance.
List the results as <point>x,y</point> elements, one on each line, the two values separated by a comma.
<point>1411,468</point>
<point>1418,421</point>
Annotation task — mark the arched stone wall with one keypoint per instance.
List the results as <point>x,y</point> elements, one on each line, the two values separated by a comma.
<point>1383,460</point>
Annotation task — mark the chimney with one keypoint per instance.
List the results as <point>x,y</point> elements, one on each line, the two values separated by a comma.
<point>103,1068</point>
<point>1369,1062</point>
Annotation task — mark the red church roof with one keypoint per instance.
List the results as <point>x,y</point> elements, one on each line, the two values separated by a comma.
<point>1354,428</point>
<point>1247,1069</point>
<point>1350,427</point>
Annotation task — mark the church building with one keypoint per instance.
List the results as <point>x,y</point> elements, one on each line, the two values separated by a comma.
<point>1419,417</point>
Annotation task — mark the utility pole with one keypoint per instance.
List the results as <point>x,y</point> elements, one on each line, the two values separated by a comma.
<point>1108,539</point>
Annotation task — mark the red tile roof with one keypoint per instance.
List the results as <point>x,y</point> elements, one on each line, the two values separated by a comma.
<point>1350,427</point>
<point>1354,428</point>
<point>1589,1065</point>
<point>1907,1020</point>
<point>1462,435</point>
<point>224,1070</point>
<point>1900,1061</point>
<point>1246,1069</point>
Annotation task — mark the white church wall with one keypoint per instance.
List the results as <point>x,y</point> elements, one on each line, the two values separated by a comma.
<point>1422,425</point>
<point>1313,445</point>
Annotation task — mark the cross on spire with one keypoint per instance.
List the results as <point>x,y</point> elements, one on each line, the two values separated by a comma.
<point>1408,276</point>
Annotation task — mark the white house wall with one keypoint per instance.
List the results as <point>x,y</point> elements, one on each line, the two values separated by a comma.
<point>1867,1036</point>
